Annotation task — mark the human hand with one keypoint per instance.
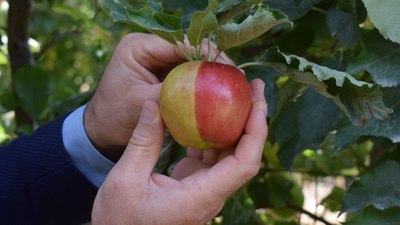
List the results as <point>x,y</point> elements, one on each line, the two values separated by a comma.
<point>132,76</point>
<point>133,194</point>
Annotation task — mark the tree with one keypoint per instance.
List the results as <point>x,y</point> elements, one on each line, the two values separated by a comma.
<point>330,66</point>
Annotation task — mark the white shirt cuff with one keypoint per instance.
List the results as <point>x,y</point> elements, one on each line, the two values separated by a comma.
<point>93,165</point>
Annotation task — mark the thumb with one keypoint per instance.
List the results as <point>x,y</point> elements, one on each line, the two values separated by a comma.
<point>144,146</point>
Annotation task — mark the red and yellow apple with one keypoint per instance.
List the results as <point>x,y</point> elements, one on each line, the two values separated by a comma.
<point>205,105</point>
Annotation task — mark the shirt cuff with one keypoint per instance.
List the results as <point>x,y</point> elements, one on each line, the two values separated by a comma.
<point>93,165</point>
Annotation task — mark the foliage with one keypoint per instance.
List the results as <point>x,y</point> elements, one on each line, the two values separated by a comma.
<point>331,69</point>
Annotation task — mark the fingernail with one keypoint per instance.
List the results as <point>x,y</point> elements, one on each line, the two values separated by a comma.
<point>148,114</point>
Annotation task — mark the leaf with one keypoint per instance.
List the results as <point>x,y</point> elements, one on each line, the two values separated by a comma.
<point>225,16</point>
<point>334,200</point>
<point>239,210</point>
<point>371,216</point>
<point>343,26</point>
<point>33,90</point>
<point>202,23</point>
<point>385,17</point>
<point>115,9</point>
<point>295,9</point>
<point>283,190</point>
<point>165,156</point>
<point>226,5</point>
<point>162,25</point>
<point>380,58</point>
<point>232,34</point>
<point>304,124</point>
<point>379,188</point>
<point>347,132</point>
<point>360,100</point>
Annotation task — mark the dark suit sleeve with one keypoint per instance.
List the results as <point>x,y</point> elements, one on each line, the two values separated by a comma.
<point>39,184</point>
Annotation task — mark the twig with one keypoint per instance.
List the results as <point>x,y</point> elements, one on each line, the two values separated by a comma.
<point>54,40</point>
<point>218,54</point>
<point>319,10</point>
<point>188,57</point>
<point>315,217</point>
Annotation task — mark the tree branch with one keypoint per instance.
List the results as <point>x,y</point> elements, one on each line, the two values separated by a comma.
<point>18,47</point>
<point>54,40</point>
<point>315,217</point>
<point>18,34</point>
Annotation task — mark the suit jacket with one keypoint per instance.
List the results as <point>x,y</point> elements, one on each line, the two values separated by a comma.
<point>39,184</point>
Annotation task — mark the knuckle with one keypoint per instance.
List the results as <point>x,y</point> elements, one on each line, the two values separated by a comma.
<point>141,139</point>
<point>250,171</point>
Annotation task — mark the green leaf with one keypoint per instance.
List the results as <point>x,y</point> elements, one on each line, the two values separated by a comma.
<point>379,188</point>
<point>283,190</point>
<point>360,100</point>
<point>32,87</point>
<point>115,9</point>
<point>380,58</point>
<point>202,23</point>
<point>224,17</point>
<point>334,200</point>
<point>226,5</point>
<point>371,216</point>
<point>293,8</point>
<point>239,210</point>
<point>165,156</point>
<point>385,17</point>
<point>162,25</point>
<point>343,26</point>
<point>232,34</point>
<point>304,124</point>
<point>347,132</point>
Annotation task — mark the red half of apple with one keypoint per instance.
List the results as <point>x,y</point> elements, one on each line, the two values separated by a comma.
<point>205,105</point>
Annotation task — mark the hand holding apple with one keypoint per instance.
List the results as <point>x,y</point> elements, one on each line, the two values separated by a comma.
<point>133,75</point>
<point>200,184</point>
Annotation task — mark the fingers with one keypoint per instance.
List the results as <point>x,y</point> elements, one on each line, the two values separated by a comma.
<point>144,146</point>
<point>233,171</point>
<point>157,54</point>
<point>256,127</point>
<point>187,167</point>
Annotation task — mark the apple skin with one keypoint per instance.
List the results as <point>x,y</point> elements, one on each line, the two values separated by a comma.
<point>205,105</point>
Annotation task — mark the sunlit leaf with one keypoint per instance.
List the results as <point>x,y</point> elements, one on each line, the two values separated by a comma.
<point>385,16</point>
<point>231,34</point>
<point>360,100</point>
<point>202,23</point>
<point>163,25</point>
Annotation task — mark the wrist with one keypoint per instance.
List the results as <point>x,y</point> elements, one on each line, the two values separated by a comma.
<point>99,136</point>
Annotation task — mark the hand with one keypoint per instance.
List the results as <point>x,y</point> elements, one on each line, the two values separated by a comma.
<point>132,194</point>
<point>132,76</point>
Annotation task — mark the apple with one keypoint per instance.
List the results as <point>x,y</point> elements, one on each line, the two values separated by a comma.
<point>205,105</point>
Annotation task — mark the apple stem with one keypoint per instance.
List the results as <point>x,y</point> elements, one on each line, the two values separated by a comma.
<point>218,54</point>
<point>198,51</point>
<point>209,47</point>
<point>188,57</point>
